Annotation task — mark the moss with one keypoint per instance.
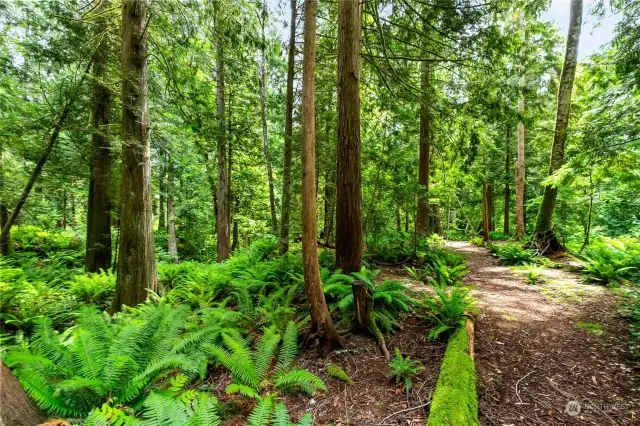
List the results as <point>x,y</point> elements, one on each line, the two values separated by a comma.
<point>591,327</point>
<point>455,401</point>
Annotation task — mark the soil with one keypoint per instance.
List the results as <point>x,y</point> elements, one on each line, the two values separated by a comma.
<point>550,353</point>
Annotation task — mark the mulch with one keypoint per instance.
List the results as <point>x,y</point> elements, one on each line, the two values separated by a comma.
<point>537,366</point>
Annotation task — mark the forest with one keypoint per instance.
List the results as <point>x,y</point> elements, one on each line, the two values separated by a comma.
<point>302,212</point>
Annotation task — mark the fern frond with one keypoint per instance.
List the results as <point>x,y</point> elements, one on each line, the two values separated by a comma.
<point>261,415</point>
<point>281,416</point>
<point>265,351</point>
<point>205,412</point>
<point>243,390</point>
<point>289,349</point>
<point>299,380</point>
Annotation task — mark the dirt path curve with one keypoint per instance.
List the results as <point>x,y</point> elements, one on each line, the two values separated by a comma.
<point>540,347</point>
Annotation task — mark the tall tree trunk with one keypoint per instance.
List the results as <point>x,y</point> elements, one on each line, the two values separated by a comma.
<point>5,242</point>
<point>288,133</point>
<point>486,214</point>
<point>6,227</point>
<point>507,191</point>
<point>162,224</point>
<point>543,236</point>
<point>520,170</point>
<point>98,254</point>
<point>492,223</point>
<point>398,222</point>
<point>349,238</point>
<point>213,188</point>
<point>329,204</point>
<point>172,244</point>
<point>137,258</point>
<point>587,226</point>
<point>321,324</point>
<point>422,218</point>
<point>222,219</point>
<point>263,113</point>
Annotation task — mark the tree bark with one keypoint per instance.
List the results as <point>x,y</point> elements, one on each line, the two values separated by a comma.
<point>520,168</point>
<point>288,134</point>
<point>263,113</point>
<point>222,219</point>
<point>322,326</point>
<point>172,244</point>
<point>543,236</point>
<point>98,255</point>
<point>349,238</point>
<point>5,242</point>
<point>587,227</point>
<point>422,218</point>
<point>17,408</point>
<point>329,204</point>
<point>136,260</point>
<point>486,214</point>
<point>507,190</point>
<point>363,300</point>
<point>162,224</point>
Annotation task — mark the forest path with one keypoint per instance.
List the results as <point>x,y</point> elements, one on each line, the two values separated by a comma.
<point>539,347</point>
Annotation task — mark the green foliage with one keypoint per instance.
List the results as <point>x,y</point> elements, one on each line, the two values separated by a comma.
<point>449,307</point>
<point>477,241</point>
<point>338,373</point>
<point>95,289</point>
<point>101,360</point>
<point>610,261</point>
<point>404,370</point>
<point>512,253</point>
<point>390,298</point>
<point>253,372</point>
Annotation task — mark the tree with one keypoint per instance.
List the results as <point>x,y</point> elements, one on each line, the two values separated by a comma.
<point>349,238</point>
<point>322,326</point>
<point>288,134</point>
<point>98,254</point>
<point>162,224</point>
<point>263,116</point>
<point>222,214</point>
<point>544,238</point>
<point>520,166</point>
<point>422,217</point>
<point>172,247</point>
<point>137,258</point>
<point>507,189</point>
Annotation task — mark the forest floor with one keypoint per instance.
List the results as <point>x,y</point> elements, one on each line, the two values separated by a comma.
<point>541,347</point>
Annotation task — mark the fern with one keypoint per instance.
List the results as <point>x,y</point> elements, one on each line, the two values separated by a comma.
<point>404,370</point>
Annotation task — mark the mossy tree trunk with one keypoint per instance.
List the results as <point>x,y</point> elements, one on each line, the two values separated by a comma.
<point>137,258</point>
<point>544,239</point>
<point>520,167</point>
<point>172,245</point>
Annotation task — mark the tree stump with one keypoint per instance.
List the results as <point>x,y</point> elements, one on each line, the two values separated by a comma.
<point>16,409</point>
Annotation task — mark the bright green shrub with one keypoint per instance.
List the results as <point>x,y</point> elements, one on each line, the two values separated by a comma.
<point>477,241</point>
<point>512,254</point>
<point>102,360</point>
<point>449,307</point>
<point>95,289</point>
<point>612,261</point>
<point>404,370</point>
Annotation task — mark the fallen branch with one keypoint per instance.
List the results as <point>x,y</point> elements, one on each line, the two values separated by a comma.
<point>404,411</point>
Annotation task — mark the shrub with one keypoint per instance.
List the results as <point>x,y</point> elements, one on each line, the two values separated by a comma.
<point>404,370</point>
<point>611,261</point>
<point>512,254</point>
<point>102,360</point>
<point>96,289</point>
<point>448,308</point>
<point>477,241</point>
<point>252,372</point>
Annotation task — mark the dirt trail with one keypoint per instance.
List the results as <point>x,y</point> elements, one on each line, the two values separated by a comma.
<point>540,347</point>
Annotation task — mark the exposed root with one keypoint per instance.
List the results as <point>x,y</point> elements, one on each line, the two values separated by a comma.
<point>545,243</point>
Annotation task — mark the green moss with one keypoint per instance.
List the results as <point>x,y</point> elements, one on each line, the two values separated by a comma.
<point>455,401</point>
<point>590,327</point>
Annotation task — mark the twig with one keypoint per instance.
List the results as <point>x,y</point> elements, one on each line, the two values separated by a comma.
<point>403,411</point>
<point>518,382</point>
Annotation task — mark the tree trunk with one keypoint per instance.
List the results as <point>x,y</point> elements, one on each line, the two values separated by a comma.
<point>265,139</point>
<point>363,300</point>
<point>162,224</point>
<point>6,227</point>
<point>5,242</point>
<point>587,227</point>
<point>172,245</point>
<point>288,133</point>
<point>486,214</point>
<point>398,223</point>
<point>137,258</point>
<point>17,408</point>
<point>543,236</point>
<point>329,204</point>
<point>322,326</point>
<point>222,219</point>
<point>349,238</point>
<point>507,191</point>
<point>492,223</point>
<point>98,254</point>
<point>422,218</point>
<point>520,169</point>
<point>212,188</point>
